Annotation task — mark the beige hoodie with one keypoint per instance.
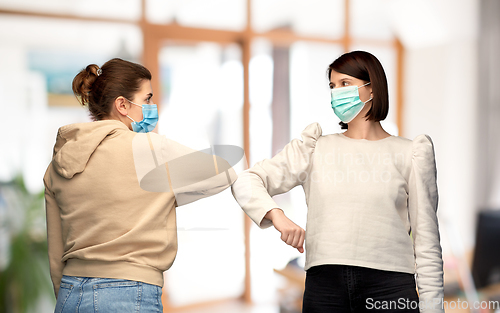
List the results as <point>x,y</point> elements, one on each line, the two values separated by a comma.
<point>110,199</point>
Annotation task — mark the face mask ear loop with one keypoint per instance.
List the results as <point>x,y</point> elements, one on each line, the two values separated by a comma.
<point>364,85</point>
<point>134,103</point>
<point>370,97</point>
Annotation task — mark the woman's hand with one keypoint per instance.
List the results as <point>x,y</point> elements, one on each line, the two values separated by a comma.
<point>291,233</point>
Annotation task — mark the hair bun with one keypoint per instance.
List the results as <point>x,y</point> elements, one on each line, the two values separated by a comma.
<point>82,83</point>
<point>93,70</point>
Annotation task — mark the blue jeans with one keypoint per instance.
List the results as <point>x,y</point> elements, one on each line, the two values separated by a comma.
<point>88,294</point>
<point>346,289</point>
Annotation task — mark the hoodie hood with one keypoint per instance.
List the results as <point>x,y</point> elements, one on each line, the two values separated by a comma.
<point>75,143</point>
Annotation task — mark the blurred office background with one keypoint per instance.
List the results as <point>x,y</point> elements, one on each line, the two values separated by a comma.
<point>250,73</point>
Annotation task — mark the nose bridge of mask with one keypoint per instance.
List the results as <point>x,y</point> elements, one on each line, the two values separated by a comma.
<point>347,92</point>
<point>344,94</point>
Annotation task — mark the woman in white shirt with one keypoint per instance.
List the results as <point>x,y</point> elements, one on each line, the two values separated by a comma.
<point>372,200</point>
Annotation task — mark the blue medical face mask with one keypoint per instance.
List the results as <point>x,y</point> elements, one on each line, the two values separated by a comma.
<point>346,103</point>
<point>149,118</point>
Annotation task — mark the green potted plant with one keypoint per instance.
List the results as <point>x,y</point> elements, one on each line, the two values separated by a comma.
<point>24,269</point>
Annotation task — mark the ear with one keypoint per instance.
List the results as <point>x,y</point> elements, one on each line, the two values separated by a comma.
<point>121,105</point>
<point>371,91</point>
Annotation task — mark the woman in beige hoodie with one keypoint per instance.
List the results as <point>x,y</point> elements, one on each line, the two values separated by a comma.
<point>111,191</point>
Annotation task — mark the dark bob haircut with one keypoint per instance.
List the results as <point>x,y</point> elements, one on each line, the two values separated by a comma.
<point>365,66</point>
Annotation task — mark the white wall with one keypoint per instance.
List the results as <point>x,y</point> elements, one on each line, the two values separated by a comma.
<point>441,100</point>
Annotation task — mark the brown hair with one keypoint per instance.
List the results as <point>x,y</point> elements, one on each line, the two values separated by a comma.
<point>97,88</point>
<point>365,66</point>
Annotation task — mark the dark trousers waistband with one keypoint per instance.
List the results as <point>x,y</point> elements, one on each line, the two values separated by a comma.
<point>346,288</point>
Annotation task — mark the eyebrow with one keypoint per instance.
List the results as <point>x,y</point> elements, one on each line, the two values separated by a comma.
<point>341,80</point>
<point>149,95</point>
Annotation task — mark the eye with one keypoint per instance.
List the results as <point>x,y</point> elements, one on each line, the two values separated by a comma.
<point>345,83</point>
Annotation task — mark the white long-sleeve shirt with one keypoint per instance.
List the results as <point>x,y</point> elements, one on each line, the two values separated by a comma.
<point>370,203</point>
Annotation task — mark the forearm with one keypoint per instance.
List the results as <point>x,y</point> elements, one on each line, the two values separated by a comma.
<point>54,240</point>
<point>274,213</point>
<point>253,197</point>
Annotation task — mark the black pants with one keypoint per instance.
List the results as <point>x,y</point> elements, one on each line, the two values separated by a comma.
<point>345,288</point>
